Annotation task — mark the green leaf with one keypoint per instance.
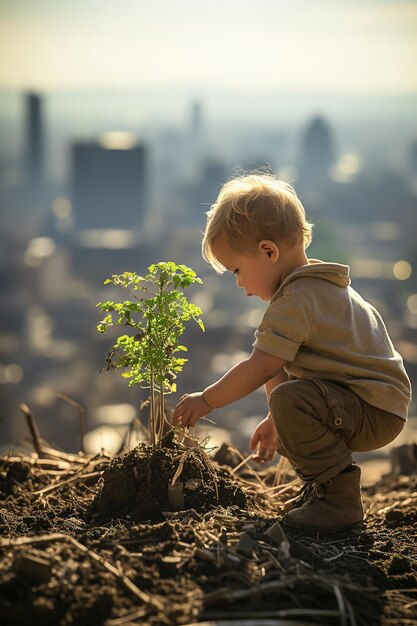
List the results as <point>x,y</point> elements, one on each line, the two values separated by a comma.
<point>201,324</point>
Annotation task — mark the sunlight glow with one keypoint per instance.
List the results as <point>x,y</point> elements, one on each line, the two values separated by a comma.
<point>12,373</point>
<point>42,246</point>
<point>346,168</point>
<point>104,438</point>
<point>115,414</point>
<point>62,207</point>
<point>45,396</point>
<point>38,249</point>
<point>40,328</point>
<point>115,140</point>
<point>369,268</point>
<point>114,239</point>
<point>402,270</point>
<point>412,303</point>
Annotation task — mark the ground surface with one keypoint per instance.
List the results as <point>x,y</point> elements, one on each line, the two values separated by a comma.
<point>170,537</point>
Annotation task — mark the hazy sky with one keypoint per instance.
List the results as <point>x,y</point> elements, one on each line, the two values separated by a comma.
<point>364,46</point>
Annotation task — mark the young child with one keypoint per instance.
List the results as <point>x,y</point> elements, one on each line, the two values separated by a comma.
<point>334,381</point>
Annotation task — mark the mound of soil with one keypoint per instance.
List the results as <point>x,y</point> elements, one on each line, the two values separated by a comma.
<point>146,482</point>
<point>100,541</point>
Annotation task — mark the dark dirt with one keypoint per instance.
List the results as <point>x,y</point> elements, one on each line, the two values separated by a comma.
<point>108,541</point>
<point>145,482</point>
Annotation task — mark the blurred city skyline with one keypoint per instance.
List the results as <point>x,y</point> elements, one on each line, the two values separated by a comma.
<point>126,199</point>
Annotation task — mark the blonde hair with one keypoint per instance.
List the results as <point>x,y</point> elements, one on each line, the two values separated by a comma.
<point>253,207</point>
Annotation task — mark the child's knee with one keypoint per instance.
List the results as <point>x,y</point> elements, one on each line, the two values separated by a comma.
<point>284,395</point>
<point>281,398</point>
<point>294,396</point>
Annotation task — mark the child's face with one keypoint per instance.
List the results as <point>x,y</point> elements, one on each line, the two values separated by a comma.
<point>256,272</point>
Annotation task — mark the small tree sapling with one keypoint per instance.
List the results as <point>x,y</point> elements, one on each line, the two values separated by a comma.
<point>158,318</point>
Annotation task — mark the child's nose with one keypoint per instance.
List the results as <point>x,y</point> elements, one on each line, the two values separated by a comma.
<point>238,281</point>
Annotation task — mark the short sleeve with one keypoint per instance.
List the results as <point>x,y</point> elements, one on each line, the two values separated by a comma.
<point>284,327</point>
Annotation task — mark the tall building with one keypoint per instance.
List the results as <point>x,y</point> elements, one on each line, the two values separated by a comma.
<point>34,162</point>
<point>317,152</point>
<point>109,183</point>
<point>196,141</point>
<point>196,119</point>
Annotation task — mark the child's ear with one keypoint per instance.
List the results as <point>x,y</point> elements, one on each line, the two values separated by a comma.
<point>270,249</point>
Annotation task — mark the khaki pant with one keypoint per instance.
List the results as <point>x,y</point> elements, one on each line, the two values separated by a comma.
<point>319,423</point>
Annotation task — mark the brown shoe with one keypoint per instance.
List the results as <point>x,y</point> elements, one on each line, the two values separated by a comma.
<point>332,506</point>
<point>298,500</point>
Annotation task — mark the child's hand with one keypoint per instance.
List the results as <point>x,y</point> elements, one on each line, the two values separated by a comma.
<point>264,439</point>
<point>190,408</point>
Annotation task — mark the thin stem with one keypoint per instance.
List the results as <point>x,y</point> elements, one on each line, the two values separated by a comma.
<point>152,412</point>
<point>161,406</point>
<point>162,410</point>
<point>129,291</point>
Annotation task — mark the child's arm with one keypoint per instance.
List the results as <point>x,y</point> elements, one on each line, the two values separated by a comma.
<point>238,382</point>
<point>264,438</point>
<point>281,377</point>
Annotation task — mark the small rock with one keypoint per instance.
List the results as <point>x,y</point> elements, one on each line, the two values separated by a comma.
<point>245,545</point>
<point>284,551</point>
<point>226,456</point>
<point>276,534</point>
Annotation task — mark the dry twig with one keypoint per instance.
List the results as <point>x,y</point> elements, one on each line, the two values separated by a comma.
<point>33,428</point>
<point>62,483</point>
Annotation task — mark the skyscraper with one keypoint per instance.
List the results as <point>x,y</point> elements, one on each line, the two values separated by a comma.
<point>34,164</point>
<point>108,184</point>
<point>317,152</point>
<point>196,119</point>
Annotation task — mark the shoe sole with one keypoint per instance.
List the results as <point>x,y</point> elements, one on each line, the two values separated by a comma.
<point>324,531</point>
